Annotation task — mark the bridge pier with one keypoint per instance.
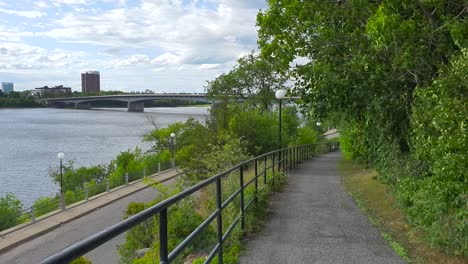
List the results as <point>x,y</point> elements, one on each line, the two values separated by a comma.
<point>82,105</point>
<point>136,107</point>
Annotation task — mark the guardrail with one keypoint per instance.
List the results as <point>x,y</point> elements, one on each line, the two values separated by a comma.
<point>283,160</point>
<point>51,204</point>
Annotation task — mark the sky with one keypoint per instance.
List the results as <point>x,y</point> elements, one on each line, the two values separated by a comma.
<point>160,45</point>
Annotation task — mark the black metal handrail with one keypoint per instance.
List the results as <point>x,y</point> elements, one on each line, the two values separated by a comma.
<point>286,158</point>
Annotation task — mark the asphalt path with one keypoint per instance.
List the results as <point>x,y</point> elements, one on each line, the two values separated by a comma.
<point>41,247</point>
<point>315,221</point>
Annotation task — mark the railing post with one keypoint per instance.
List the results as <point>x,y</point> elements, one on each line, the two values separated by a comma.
<point>241,181</point>
<point>86,191</point>
<point>297,157</point>
<point>303,154</point>
<point>62,201</point>
<point>126,178</point>
<point>290,158</point>
<point>265,171</point>
<point>33,217</point>
<point>273,169</point>
<point>107,185</point>
<point>219,219</point>
<point>256,180</point>
<point>285,161</point>
<point>144,173</point>
<point>159,167</point>
<point>279,160</point>
<point>163,252</point>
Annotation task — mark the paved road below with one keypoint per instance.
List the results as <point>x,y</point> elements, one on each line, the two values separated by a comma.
<point>315,221</point>
<point>37,249</point>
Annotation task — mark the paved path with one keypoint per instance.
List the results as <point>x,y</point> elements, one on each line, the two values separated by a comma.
<point>315,221</point>
<point>98,214</point>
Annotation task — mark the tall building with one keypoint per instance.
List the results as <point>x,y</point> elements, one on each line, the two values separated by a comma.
<point>90,82</point>
<point>7,87</point>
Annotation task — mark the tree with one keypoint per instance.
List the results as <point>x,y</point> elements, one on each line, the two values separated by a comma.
<point>254,79</point>
<point>73,178</point>
<point>395,71</point>
<point>10,211</point>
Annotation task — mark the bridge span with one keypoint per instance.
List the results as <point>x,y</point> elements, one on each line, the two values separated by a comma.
<point>135,102</point>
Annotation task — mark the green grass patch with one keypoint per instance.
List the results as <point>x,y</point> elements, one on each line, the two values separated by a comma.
<point>377,201</point>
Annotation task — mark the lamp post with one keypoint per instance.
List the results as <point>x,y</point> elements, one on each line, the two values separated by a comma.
<point>280,94</point>
<point>318,131</point>
<point>172,150</point>
<point>61,156</point>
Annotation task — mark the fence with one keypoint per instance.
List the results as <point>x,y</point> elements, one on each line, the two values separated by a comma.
<point>280,160</point>
<point>46,205</point>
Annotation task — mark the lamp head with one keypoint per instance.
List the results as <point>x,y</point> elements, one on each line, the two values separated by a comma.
<point>318,123</point>
<point>280,94</point>
<point>61,155</point>
<point>172,135</point>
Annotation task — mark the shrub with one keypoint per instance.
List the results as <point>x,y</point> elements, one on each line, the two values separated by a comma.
<point>45,205</point>
<point>10,211</point>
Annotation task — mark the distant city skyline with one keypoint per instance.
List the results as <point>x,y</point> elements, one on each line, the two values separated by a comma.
<point>160,45</point>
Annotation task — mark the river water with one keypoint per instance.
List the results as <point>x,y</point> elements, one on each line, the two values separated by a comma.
<point>31,138</point>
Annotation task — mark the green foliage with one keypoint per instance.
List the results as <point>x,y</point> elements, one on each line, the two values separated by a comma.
<point>74,178</point>
<point>397,247</point>
<point>18,99</point>
<point>183,219</point>
<point>10,211</point>
<point>130,162</point>
<point>45,205</point>
<point>218,159</point>
<point>253,79</point>
<point>258,130</point>
<point>395,71</point>
<point>81,260</point>
<point>440,117</point>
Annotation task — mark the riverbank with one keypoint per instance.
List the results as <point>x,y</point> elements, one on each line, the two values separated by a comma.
<point>20,103</point>
<point>378,202</point>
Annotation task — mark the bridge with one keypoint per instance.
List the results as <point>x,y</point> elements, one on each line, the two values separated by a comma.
<point>135,102</point>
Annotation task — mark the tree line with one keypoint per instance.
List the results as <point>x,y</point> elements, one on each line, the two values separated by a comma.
<point>393,76</point>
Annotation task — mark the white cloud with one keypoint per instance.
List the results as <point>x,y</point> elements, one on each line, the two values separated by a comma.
<point>175,45</point>
<point>184,35</point>
<point>132,60</point>
<point>27,14</point>
<point>209,66</point>
<point>19,56</point>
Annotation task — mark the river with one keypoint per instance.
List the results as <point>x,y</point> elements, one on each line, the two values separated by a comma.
<point>31,138</point>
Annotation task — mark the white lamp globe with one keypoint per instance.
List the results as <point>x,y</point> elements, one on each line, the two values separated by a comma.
<point>172,135</point>
<point>61,155</point>
<point>318,123</point>
<point>280,94</point>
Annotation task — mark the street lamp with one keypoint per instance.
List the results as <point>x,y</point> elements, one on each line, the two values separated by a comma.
<point>172,149</point>
<point>280,94</point>
<point>318,131</point>
<point>61,156</point>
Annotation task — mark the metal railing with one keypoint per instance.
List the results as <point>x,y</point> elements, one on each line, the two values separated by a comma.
<point>46,205</point>
<point>280,160</point>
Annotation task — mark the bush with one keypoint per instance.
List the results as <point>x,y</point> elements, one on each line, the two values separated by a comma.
<point>436,200</point>
<point>45,205</point>
<point>10,211</point>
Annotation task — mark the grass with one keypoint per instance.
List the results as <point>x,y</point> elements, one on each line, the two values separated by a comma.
<point>377,201</point>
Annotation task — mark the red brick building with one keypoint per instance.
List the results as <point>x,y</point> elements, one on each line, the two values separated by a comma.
<point>90,82</point>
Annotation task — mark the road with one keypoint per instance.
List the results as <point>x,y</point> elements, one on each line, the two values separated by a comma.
<point>41,247</point>
<point>315,221</point>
